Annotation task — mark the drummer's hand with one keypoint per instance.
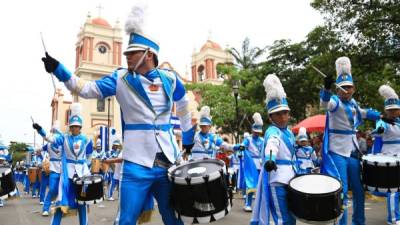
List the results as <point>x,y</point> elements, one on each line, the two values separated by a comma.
<point>50,63</point>
<point>36,127</point>
<point>380,130</point>
<point>188,148</point>
<point>270,165</point>
<point>242,148</point>
<point>328,81</point>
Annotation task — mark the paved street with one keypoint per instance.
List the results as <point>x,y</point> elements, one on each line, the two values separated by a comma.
<point>27,211</point>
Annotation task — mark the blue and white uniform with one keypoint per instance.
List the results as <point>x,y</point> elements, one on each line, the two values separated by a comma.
<point>54,153</point>
<point>37,160</point>
<point>342,119</point>
<point>388,143</point>
<point>75,149</point>
<point>271,197</point>
<point>206,145</point>
<point>44,182</point>
<point>306,158</point>
<point>252,155</point>
<point>146,102</point>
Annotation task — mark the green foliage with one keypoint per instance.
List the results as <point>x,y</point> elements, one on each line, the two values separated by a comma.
<point>365,31</point>
<point>18,151</point>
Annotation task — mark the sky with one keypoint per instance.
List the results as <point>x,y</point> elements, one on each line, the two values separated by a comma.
<point>179,26</point>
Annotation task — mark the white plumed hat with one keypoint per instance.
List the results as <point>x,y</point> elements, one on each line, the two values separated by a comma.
<point>276,96</point>
<point>137,27</point>
<point>258,123</point>
<point>391,98</point>
<point>76,119</point>
<point>343,72</point>
<point>205,118</point>
<point>302,135</point>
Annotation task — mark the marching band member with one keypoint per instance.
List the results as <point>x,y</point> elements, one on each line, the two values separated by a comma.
<point>55,169</point>
<point>205,142</point>
<point>305,154</point>
<point>146,96</point>
<point>44,182</point>
<point>116,159</point>
<point>37,160</point>
<point>279,166</point>
<point>389,144</point>
<point>75,149</point>
<point>254,146</point>
<point>343,117</point>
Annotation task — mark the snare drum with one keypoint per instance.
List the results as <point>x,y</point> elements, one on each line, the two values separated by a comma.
<point>46,166</point>
<point>381,173</point>
<point>96,165</point>
<point>315,198</point>
<point>89,189</point>
<point>199,191</point>
<point>7,183</point>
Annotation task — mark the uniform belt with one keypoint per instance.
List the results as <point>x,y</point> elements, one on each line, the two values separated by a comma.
<point>391,142</point>
<point>284,162</point>
<point>81,161</point>
<point>54,160</point>
<point>140,126</point>
<point>345,132</point>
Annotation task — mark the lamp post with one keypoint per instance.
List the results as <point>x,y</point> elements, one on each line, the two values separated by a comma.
<point>235,88</point>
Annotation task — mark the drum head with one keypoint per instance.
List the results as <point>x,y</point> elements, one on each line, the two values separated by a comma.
<point>381,159</point>
<point>315,184</point>
<point>196,170</point>
<point>89,179</point>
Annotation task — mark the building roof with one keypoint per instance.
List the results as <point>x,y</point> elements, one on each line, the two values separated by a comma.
<point>100,21</point>
<point>211,44</point>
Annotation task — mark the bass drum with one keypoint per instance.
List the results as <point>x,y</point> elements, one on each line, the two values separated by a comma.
<point>89,189</point>
<point>199,191</point>
<point>381,173</point>
<point>7,183</point>
<point>315,198</point>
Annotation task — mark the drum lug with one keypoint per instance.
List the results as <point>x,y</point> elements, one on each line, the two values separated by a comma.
<point>188,179</point>
<point>205,178</point>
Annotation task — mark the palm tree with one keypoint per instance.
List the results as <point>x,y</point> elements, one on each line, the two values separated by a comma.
<point>247,58</point>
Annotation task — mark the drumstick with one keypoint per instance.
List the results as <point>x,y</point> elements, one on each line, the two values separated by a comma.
<point>32,119</point>
<point>51,74</point>
<point>323,75</point>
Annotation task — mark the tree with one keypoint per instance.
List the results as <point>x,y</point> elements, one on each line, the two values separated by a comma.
<point>371,25</point>
<point>247,57</point>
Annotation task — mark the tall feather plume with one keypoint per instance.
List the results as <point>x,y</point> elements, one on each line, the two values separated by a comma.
<point>273,87</point>
<point>387,92</point>
<point>257,119</point>
<point>343,66</point>
<point>302,131</point>
<point>205,112</point>
<point>76,109</point>
<point>136,18</point>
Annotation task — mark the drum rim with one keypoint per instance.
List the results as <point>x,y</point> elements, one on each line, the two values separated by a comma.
<point>391,164</point>
<point>98,179</point>
<point>195,180</point>
<point>190,219</point>
<point>316,194</point>
<point>90,202</point>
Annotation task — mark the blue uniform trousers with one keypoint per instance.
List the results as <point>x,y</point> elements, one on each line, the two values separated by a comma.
<point>136,183</point>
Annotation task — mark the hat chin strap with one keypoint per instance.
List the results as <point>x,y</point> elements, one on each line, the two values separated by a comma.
<point>140,62</point>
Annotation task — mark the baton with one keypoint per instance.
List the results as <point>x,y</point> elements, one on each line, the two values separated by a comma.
<point>322,74</point>
<point>51,74</point>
